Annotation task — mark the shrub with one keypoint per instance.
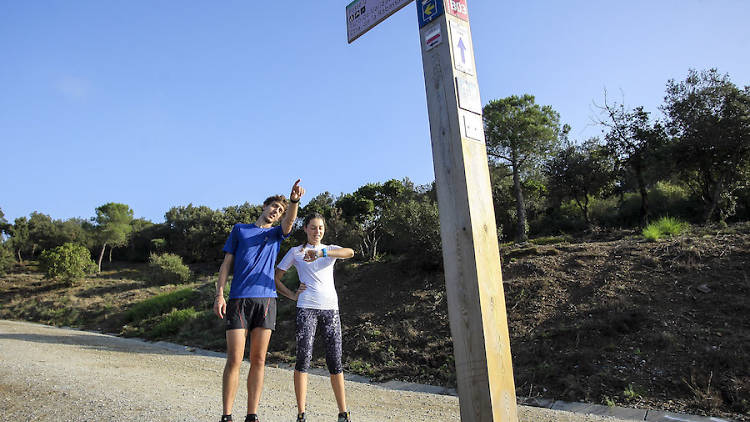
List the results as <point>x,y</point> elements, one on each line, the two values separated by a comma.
<point>413,227</point>
<point>671,226</point>
<point>609,212</point>
<point>6,259</point>
<point>565,219</point>
<point>172,322</point>
<point>664,199</point>
<point>550,240</point>
<point>68,262</point>
<point>160,304</point>
<point>651,233</point>
<point>665,226</point>
<point>158,244</point>
<point>169,268</point>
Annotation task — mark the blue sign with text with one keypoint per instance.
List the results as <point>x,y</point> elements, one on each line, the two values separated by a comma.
<point>428,10</point>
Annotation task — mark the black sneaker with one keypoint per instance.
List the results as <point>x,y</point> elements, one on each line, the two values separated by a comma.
<point>252,418</point>
<point>344,417</point>
<point>226,418</point>
<point>301,417</point>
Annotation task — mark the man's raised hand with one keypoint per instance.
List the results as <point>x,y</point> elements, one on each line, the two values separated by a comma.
<point>297,192</point>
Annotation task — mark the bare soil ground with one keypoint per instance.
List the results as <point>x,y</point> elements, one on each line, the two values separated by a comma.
<point>51,374</point>
<point>618,321</point>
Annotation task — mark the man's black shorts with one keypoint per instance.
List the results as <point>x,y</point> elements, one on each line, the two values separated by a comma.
<point>251,312</point>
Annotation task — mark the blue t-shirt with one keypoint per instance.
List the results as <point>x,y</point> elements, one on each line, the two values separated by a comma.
<point>255,250</point>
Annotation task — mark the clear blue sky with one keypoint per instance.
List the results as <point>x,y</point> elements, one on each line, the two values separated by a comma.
<point>164,103</point>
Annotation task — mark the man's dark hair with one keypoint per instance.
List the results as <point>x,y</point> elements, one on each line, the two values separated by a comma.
<point>277,198</point>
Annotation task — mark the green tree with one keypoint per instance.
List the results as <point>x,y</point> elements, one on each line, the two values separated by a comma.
<point>323,204</point>
<point>68,262</point>
<point>580,172</point>
<point>363,209</point>
<point>41,232</point>
<point>196,233</point>
<point>6,252</point>
<point>359,209</point>
<point>245,213</point>
<point>142,234</point>
<point>75,230</point>
<point>709,119</point>
<point>414,227</point>
<point>6,258</point>
<point>338,230</point>
<point>522,134</point>
<point>113,227</point>
<point>20,240</point>
<point>4,227</point>
<point>636,143</point>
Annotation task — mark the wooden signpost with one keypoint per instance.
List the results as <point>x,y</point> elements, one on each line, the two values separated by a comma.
<point>471,256</point>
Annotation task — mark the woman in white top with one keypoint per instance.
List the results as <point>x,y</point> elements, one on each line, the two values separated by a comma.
<point>317,304</point>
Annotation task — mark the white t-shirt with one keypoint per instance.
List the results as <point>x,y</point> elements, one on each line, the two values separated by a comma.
<point>317,275</point>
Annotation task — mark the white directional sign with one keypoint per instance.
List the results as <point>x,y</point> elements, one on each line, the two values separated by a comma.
<point>362,15</point>
<point>473,127</point>
<point>463,51</point>
<point>468,95</point>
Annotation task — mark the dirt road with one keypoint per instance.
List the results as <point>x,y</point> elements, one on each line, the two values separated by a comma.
<point>52,374</point>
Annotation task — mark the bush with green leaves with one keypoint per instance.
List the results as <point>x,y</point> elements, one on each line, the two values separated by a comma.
<point>161,304</point>
<point>69,262</point>
<point>565,219</point>
<point>665,226</point>
<point>413,227</point>
<point>169,268</point>
<point>172,322</point>
<point>6,258</point>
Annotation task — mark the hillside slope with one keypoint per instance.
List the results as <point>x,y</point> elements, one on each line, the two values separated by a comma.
<point>643,324</point>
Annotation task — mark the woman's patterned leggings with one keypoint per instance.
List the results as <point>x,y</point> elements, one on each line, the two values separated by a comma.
<point>307,322</point>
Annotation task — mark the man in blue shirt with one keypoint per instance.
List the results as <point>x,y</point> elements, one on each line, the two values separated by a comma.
<point>251,251</point>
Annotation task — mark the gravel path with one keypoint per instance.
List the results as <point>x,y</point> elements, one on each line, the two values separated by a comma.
<point>53,374</point>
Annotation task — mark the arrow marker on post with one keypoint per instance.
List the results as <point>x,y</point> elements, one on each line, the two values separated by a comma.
<point>462,47</point>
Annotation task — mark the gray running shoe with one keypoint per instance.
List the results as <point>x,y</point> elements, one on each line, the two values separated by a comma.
<point>345,417</point>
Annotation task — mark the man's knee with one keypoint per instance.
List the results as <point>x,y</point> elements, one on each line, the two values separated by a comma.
<point>234,362</point>
<point>257,359</point>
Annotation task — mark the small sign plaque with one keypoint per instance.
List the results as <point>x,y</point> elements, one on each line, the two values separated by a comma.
<point>428,10</point>
<point>473,126</point>
<point>468,95</point>
<point>457,8</point>
<point>432,38</point>
<point>463,52</point>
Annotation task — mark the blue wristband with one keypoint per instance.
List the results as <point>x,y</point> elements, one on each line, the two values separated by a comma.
<point>325,252</point>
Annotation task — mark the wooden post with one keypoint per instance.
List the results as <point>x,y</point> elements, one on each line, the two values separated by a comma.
<point>471,255</point>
